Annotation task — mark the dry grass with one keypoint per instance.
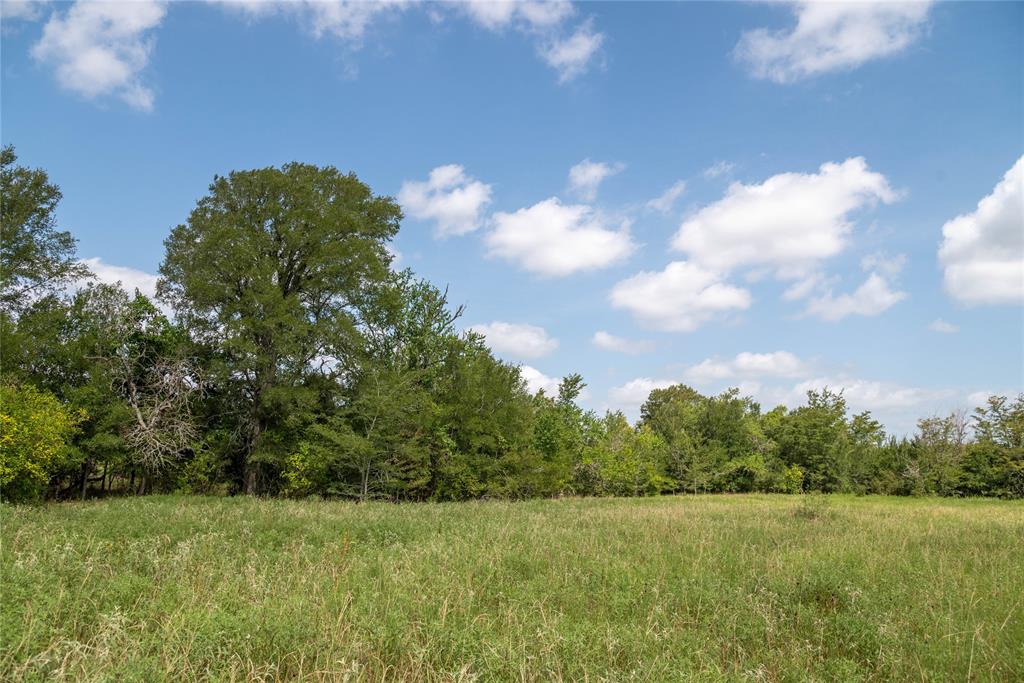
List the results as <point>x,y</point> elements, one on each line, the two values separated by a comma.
<point>707,588</point>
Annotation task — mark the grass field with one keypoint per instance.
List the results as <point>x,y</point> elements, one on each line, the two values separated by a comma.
<point>660,589</point>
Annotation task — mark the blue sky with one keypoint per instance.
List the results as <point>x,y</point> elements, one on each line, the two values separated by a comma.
<point>772,196</point>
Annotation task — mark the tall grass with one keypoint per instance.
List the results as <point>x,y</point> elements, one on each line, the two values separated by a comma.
<point>660,589</point>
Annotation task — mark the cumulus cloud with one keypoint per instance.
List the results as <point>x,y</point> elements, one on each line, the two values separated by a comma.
<point>101,48</point>
<point>129,279</point>
<point>610,342</point>
<point>514,339</point>
<point>874,296</point>
<point>664,202</point>
<point>679,298</point>
<point>452,199</point>
<point>940,325</point>
<point>832,36</point>
<point>586,176</point>
<point>748,365</point>
<point>553,239</point>
<point>790,222</point>
<point>571,56</point>
<point>537,380</point>
<point>630,396</point>
<point>568,51</point>
<point>982,253</point>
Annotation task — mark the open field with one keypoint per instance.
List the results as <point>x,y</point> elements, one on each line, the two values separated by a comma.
<point>673,588</point>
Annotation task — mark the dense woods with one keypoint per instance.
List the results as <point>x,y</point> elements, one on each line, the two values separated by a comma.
<point>285,356</point>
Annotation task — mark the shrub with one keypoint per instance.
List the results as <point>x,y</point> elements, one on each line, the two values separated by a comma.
<point>34,432</point>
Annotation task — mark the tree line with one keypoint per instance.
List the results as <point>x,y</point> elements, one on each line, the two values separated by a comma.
<point>285,356</point>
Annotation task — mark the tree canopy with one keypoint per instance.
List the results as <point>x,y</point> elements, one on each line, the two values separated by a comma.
<point>297,362</point>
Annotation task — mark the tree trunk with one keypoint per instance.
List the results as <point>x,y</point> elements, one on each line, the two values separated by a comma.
<point>365,484</point>
<point>85,478</point>
<point>250,478</point>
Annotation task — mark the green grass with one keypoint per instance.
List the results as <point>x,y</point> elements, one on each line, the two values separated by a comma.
<point>674,588</point>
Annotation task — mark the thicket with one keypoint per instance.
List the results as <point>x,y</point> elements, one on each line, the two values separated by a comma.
<point>284,356</point>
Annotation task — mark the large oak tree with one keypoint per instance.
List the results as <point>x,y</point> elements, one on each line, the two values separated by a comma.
<point>272,270</point>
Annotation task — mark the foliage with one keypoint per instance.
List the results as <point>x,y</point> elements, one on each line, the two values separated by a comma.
<point>271,272</point>
<point>34,433</point>
<point>35,257</point>
<point>298,362</point>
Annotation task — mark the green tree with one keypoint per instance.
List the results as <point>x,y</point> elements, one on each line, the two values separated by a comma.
<point>1001,421</point>
<point>815,437</point>
<point>66,347</point>
<point>623,461</point>
<point>35,257</point>
<point>674,413</point>
<point>865,464</point>
<point>941,444</point>
<point>272,271</point>
<point>377,445</point>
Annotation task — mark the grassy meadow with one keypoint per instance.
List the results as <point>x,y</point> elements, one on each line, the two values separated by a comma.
<point>753,587</point>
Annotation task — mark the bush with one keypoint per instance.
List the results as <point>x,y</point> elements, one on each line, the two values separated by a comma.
<point>34,433</point>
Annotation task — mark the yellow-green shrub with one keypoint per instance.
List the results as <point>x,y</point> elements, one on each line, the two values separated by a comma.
<point>34,431</point>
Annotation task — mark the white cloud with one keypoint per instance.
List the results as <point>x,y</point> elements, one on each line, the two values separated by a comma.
<point>874,296</point>
<point>348,20</point>
<point>804,286</point>
<point>610,342</point>
<point>790,222</point>
<point>630,396</point>
<point>977,399</point>
<point>982,253</point>
<point>129,279</point>
<point>24,10</point>
<point>101,48</point>
<point>586,176</point>
<point>884,264</point>
<point>522,341</point>
<point>940,325</point>
<point>663,203</point>
<point>747,365</point>
<point>449,197</point>
<point>832,36</point>
<point>719,168</point>
<point>537,380</point>
<point>531,16</point>
<point>871,395</point>
<point>545,23</point>
<point>571,55</point>
<point>679,298</point>
<point>553,239</point>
